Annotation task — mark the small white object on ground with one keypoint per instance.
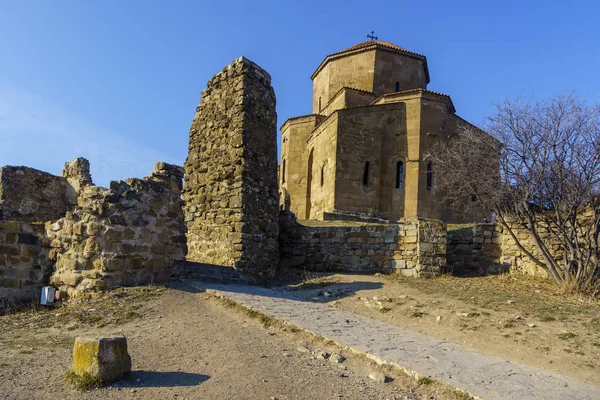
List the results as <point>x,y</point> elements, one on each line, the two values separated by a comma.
<point>47,297</point>
<point>377,376</point>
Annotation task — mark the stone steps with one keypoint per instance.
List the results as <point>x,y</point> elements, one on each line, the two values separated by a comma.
<point>211,273</point>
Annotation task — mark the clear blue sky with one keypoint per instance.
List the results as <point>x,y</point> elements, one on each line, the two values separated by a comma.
<point>118,81</point>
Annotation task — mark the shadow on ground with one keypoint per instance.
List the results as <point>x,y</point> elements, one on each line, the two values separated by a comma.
<point>144,379</point>
<point>312,292</point>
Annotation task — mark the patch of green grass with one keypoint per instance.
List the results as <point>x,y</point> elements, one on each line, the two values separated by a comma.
<point>509,324</point>
<point>417,314</point>
<point>473,315</point>
<point>84,382</point>
<point>384,310</point>
<point>596,344</point>
<point>566,335</point>
<point>424,381</point>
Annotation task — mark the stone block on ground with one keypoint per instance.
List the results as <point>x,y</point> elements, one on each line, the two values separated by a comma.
<point>105,358</point>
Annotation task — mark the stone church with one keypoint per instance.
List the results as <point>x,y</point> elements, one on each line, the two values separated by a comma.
<point>362,153</point>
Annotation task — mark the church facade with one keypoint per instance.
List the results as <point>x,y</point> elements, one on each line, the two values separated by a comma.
<point>362,153</point>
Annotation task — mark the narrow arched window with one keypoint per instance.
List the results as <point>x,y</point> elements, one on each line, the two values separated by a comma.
<point>322,175</point>
<point>399,175</point>
<point>283,172</point>
<point>397,87</point>
<point>429,176</point>
<point>366,174</point>
<point>319,104</point>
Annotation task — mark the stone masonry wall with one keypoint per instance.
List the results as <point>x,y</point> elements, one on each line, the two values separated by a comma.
<point>30,195</point>
<point>24,265</point>
<point>231,173</point>
<point>130,234</point>
<point>475,250</point>
<point>413,248</point>
<point>518,261</point>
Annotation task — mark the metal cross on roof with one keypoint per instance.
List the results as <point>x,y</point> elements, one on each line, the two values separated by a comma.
<point>372,36</point>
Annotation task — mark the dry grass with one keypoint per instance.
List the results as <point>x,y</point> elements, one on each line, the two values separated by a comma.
<point>113,308</point>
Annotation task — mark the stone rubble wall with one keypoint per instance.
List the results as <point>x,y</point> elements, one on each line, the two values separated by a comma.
<point>518,261</point>
<point>413,248</point>
<point>30,195</point>
<point>24,264</point>
<point>476,249</point>
<point>231,173</point>
<point>130,234</point>
<point>489,249</point>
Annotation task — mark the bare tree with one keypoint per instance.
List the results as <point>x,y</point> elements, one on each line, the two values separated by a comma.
<point>538,168</point>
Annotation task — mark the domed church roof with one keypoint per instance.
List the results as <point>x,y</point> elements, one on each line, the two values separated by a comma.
<point>370,45</point>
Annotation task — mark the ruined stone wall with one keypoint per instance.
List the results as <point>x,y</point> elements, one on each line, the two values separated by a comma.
<point>231,173</point>
<point>24,265</point>
<point>475,249</point>
<point>130,234</point>
<point>30,195</point>
<point>413,248</point>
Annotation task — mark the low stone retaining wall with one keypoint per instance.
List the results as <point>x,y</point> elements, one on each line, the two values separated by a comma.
<point>24,265</point>
<point>415,248</point>
<point>475,249</point>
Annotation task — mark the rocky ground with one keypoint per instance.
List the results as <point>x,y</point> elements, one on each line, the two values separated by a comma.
<point>520,318</point>
<point>185,345</point>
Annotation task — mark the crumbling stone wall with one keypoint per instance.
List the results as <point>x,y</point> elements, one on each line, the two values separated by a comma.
<point>475,249</point>
<point>77,174</point>
<point>130,234</point>
<point>30,195</point>
<point>413,248</point>
<point>24,264</point>
<point>231,173</point>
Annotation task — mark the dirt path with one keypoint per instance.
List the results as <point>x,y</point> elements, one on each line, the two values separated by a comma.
<point>522,319</point>
<point>183,345</point>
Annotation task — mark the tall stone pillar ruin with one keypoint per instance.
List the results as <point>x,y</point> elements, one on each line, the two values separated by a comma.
<point>230,190</point>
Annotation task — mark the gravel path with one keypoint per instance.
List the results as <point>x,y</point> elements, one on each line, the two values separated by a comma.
<point>484,376</point>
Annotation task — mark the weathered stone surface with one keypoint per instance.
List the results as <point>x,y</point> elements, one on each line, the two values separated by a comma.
<point>105,358</point>
<point>77,173</point>
<point>414,247</point>
<point>30,195</point>
<point>130,234</point>
<point>24,264</point>
<point>231,173</point>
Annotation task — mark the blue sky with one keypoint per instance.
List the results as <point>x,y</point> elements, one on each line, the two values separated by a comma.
<point>118,81</point>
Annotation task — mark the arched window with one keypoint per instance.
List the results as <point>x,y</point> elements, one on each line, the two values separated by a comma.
<point>322,175</point>
<point>397,87</point>
<point>429,176</point>
<point>399,175</point>
<point>283,172</point>
<point>366,174</point>
<point>319,104</point>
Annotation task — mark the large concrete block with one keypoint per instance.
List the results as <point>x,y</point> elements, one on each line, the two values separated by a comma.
<point>105,358</point>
